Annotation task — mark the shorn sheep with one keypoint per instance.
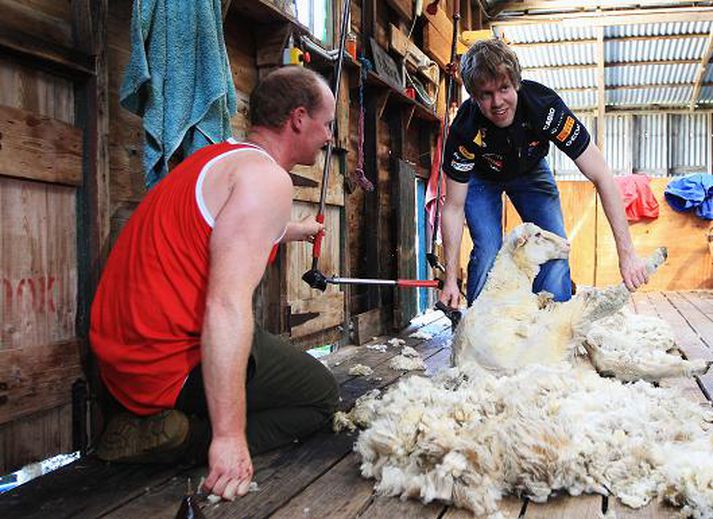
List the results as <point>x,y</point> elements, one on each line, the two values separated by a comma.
<point>509,327</point>
<point>507,420</point>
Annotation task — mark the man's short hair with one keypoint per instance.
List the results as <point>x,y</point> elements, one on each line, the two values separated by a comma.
<point>281,91</point>
<point>488,60</point>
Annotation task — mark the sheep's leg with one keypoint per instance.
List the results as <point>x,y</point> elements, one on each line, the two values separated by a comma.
<point>607,301</point>
<point>651,368</point>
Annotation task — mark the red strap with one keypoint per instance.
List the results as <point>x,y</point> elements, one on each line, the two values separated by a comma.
<point>317,249</point>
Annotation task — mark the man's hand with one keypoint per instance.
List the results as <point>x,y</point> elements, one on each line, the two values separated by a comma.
<point>450,294</point>
<point>303,230</point>
<point>633,271</point>
<point>230,467</point>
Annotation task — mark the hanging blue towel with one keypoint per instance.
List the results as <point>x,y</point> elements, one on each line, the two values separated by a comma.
<point>692,192</point>
<point>178,79</point>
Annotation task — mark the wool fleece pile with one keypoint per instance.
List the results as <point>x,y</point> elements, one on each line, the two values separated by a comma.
<point>469,437</point>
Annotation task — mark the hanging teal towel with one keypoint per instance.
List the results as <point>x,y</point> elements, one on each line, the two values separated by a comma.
<point>178,79</point>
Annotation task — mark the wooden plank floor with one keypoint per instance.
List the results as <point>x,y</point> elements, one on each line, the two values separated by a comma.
<point>320,477</point>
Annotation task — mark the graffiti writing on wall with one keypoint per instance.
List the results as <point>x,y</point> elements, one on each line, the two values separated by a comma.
<point>37,294</point>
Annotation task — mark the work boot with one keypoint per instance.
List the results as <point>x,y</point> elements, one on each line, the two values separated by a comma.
<point>159,438</point>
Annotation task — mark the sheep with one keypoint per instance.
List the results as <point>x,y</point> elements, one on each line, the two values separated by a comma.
<point>509,327</point>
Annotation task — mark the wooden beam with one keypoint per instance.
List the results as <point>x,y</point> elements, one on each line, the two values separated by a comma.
<point>39,148</point>
<point>601,90</point>
<point>605,19</point>
<point>700,74</point>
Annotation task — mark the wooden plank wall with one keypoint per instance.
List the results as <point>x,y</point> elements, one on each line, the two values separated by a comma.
<point>594,260</point>
<point>39,350</point>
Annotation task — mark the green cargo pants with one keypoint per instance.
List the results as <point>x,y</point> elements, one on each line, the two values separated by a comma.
<point>289,394</point>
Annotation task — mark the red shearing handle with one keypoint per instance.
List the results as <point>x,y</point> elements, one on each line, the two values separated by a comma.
<point>422,283</point>
<point>317,249</point>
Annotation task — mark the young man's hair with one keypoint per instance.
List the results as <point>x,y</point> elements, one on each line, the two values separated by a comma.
<point>488,60</point>
<point>280,92</point>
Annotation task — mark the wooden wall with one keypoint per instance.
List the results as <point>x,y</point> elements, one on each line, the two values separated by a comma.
<point>48,167</point>
<point>594,260</point>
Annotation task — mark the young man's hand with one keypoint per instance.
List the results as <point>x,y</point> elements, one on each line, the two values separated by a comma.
<point>303,230</point>
<point>633,271</point>
<point>230,467</point>
<point>450,294</point>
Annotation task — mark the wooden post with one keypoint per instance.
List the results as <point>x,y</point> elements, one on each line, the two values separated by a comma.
<point>701,73</point>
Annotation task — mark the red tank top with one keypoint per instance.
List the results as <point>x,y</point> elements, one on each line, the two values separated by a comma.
<point>147,315</point>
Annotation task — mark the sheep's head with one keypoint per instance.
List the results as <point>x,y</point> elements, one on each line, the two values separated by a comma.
<point>531,245</point>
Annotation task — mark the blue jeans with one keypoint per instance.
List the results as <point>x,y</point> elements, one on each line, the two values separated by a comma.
<point>536,199</point>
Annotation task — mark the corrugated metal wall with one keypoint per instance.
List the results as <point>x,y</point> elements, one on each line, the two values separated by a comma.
<point>651,145</point>
<point>655,144</point>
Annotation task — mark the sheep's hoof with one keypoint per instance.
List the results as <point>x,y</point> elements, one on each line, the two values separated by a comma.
<point>607,374</point>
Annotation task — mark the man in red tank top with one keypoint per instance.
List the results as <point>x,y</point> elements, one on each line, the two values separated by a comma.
<point>172,321</point>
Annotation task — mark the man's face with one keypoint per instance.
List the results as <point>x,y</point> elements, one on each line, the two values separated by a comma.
<point>497,100</point>
<point>317,127</point>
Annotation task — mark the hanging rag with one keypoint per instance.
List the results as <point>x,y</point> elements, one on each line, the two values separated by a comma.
<point>432,188</point>
<point>692,192</point>
<point>178,79</point>
<point>639,201</point>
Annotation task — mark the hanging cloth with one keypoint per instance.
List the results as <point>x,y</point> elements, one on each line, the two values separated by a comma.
<point>637,197</point>
<point>692,192</point>
<point>432,187</point>
<point>178,79</point>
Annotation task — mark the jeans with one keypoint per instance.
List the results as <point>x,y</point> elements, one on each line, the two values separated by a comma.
<point>536,199</point>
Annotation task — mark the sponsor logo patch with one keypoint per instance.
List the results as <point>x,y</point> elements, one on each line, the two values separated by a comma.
<point>574,136</point>
<point>550,117</point>
<point>479,139</point>
<point>494,161</point>
<point>466,154</point>
<point>566,130</point>
<point>460,166</point>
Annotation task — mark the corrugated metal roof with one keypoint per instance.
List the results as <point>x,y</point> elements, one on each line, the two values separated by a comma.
<point>533,33</point>
<point>563,78</point>
<point>556,55</point>
<point>706,95</point>
<point>671,96</point>
<point>654,49</point>
<point>581,99</point>
<point>650,74</point>
<point>563,47</point>
<point>657,29</point>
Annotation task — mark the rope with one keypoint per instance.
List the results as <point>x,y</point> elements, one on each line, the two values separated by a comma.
<point>359,176</point>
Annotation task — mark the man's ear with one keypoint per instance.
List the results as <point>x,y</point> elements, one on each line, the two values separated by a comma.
<point>298,118</point>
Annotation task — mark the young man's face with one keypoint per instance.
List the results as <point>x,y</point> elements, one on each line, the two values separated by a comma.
<point>497,100</point>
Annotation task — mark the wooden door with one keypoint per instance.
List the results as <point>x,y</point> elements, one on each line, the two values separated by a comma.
<point>40,175</point>
<point>311,313</point>
<point>406,306</point>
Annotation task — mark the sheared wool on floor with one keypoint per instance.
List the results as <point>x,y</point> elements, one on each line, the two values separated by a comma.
<point>360,370</point>
<point>409,360</point>
<point>469,437</point>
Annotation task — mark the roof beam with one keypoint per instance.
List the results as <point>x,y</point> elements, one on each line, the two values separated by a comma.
<point>700,74</point>
<point>623,17</point>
